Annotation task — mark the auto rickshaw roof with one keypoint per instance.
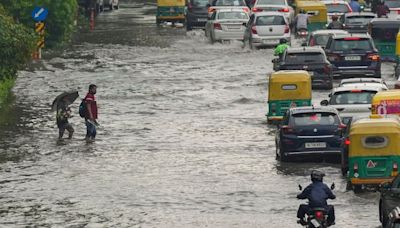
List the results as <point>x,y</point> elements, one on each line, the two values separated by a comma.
<point>286,76</point>
<point>392,94</point>
<point>375,126</point>
<point>311,4</point>
<point>298,83</point>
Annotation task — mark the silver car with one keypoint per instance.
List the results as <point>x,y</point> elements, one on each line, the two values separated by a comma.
<point>226,24</point>
<point>266,29</point>
<point>227,4</point>
<point>274,6</point>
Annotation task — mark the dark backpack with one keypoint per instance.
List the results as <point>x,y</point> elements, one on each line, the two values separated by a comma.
<point>83,108</point>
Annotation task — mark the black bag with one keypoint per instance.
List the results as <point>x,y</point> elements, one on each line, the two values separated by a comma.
<point>83,108</point>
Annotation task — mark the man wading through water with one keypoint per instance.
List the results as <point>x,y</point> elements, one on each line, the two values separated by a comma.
<point>91,114</point>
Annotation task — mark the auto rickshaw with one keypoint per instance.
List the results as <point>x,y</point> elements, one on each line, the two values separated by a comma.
<point>170,11</point>
<point>286,89</point>
<point>397,68</point>
<point>386,103</point>
<point>374,152</point>
<point>318,12</point>
<point>384,33</point>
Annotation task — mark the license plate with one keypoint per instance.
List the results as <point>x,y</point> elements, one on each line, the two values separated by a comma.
<point>315,145</point>
<point>270,41</point>
<point>201,19</point>
<point>234,27</point>
<point>315,223</point>
<point>352,58</point>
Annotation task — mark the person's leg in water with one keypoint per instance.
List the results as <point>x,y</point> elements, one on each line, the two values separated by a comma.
<point>91,130</point>
<point>61,130</point>
<point>70,130</point>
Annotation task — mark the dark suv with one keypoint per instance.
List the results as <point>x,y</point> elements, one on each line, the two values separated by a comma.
<point>353,55</point>
<point>311,59</point>
<point>310,131</point>
<point>390,199</point>
<point>197,12</point>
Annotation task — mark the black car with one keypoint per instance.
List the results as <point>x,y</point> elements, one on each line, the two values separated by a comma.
<point>197,12</point>
<point>353,55</point>
<point>310,132</point>
<point>390,199</point>
<point>311,59</point>
<point>356,22</point>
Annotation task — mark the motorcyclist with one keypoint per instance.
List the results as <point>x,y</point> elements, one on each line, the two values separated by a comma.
<point>301,20</point>
<point>280,49</point>
<point>335,24</point>
<point>317,193</point>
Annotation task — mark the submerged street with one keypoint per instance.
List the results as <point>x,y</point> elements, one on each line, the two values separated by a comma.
<point>182,142</point>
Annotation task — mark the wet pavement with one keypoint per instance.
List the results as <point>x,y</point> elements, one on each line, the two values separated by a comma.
<point>183,140</point>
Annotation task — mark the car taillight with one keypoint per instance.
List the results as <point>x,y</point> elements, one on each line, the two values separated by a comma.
<point>374,57</point>
<point>395,169</point>
<point>253,29</point>
<point>256,10</point>
<point>287,130</point>
<point>284,10</point>
<point>319,215</point>
<point>333,57</point>
<point>287,30</point>
<point>397,85</point>
<point>347,141</point>
<point>246,10</point>
<point>217,26</point>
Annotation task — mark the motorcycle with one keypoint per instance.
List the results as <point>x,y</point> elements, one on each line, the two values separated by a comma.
<point>302,33</point>
<point>318,218</point>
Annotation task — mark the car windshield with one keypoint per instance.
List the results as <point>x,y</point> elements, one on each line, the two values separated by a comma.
<point>271,2</point>
<point>384,34</point>
<point>337,8</point>
<point>363,20</point>
<point>321,39</point>
<point>393,4</point>
<point>303,58</point>
<point>232,15</point>
<point>229,3</point>
<point>352,97</point>
<point>199,3</point>
<point>270,20</point>
<point>315,118</point>
<point>352,44</point>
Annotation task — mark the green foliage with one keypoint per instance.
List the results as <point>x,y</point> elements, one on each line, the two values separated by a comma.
<point>5,88</point>
<point>60,20</point>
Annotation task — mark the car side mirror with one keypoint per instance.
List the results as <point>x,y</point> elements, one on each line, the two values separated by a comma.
<point>324,103</point>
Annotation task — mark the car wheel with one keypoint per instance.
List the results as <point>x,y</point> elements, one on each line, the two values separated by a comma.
<point>282,157</point>
<point>357,188</point>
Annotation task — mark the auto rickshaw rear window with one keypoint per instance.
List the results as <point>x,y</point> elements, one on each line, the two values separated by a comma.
<point>305,57</point>
<point>384,34</point>
<point>346,44</point>
<point>315,118</point>
<point>375,141</point>
<point>289,87</point>
<point>230,3</point>
<point>270,20</point>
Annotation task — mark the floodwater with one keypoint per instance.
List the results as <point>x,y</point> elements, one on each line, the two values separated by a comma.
<point>183,140</point>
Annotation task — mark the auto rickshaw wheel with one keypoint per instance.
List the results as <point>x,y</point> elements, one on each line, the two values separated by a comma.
<point>357,188</point>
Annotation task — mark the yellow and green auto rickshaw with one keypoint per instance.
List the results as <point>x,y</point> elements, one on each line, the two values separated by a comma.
<point>374,151</point>
<point>386,103</point>
<point>384,33</point>
<point>397,68</point>
<point>170,11</point>
<point>286,89</point>
<point>318,12</point>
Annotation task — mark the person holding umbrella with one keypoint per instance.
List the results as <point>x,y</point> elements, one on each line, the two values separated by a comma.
<point>61,106</point>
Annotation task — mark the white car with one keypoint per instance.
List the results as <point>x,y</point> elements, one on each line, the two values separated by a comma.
<point>337,8</point>
<point>266,29</point>
<point>274,6</point>
<point>226,24</point>
<point>394,6</point>
<point>375,82</point>
<point>352,101</point>
<point>227,4</point>
<point>111,4</point>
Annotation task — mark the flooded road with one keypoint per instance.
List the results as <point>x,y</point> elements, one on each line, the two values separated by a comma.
<point>183,140</point>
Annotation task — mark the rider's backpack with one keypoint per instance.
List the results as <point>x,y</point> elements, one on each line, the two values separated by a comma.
<point>82,109</point>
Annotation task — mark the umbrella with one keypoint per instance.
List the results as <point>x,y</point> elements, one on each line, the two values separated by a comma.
<point>67,97</point>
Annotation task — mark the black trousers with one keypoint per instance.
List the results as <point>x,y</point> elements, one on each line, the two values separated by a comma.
<point>306,209</point>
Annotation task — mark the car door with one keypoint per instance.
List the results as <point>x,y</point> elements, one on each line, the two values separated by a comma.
<point>391,197</point>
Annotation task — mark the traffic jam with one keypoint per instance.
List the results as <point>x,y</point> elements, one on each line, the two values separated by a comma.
<point>332,45</point>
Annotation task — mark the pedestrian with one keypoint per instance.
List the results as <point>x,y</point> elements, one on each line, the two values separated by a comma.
<point>355,6</point>
<point>382,9</point>
<point>91,113</point>
<point>62,116</point>
<point>335,24</point>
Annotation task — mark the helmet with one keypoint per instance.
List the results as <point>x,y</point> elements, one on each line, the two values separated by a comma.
<point>282,41</point>
<point>317,176</point>
<point>334,17</point>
